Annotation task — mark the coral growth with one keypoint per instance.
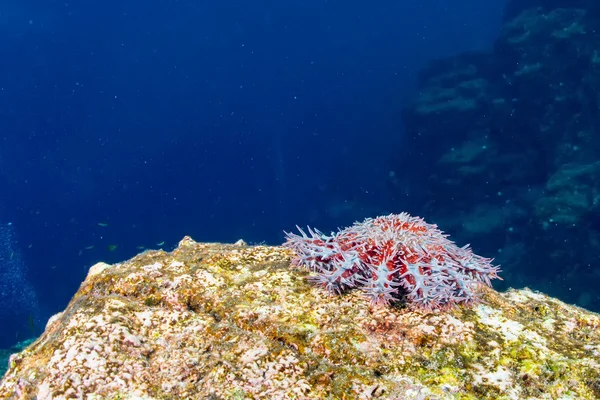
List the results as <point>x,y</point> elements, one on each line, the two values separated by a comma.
<point>394,257</point>
<point>222,321</point>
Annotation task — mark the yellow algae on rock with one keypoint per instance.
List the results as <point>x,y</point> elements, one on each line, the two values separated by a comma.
<point>236,321</point>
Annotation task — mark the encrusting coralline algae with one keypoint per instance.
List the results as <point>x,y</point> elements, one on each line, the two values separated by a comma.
<point>394,257</point>
<point>211,320</point>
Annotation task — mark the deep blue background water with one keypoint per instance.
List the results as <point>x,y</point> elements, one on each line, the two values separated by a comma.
<point>215,119</point>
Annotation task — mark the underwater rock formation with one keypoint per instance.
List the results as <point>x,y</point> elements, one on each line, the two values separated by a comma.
<point>233,321</point>
<point>518,127</point>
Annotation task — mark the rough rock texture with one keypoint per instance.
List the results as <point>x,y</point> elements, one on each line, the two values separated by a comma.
<point>502,148</point>
<point>230,321</point>
<point>6,353</point>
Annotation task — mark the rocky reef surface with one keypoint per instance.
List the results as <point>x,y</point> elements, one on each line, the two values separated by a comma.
<point>502,148</point>
<point>235,321</point>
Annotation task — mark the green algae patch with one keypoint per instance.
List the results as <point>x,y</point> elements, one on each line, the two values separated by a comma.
<point>235,321</point>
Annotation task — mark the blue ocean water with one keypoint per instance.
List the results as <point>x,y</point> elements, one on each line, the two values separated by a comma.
<point>128,125</point>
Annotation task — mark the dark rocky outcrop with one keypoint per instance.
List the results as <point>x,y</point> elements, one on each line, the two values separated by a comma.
<point>504,148</point>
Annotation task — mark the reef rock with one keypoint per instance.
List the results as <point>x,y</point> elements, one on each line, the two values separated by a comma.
<point>233,321</point>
